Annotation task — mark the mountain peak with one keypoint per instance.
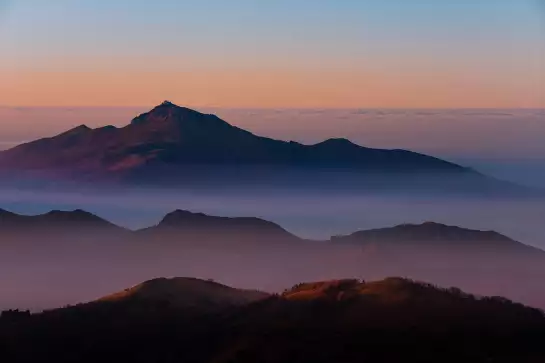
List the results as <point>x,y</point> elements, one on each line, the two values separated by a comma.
<point>431,232</point>
<point>175,217</point>
<point>78,214</point>
<point>391,289</point>
<point>187,292</point>
<point>166,103</point>
<point>78,130</point>
<point>199,222</point>
<point>167,111</point>
<point>58,220</point>
<point>175,145</point>
<point>180,218</point>
<point>75,218</point>
<point>337,141</point>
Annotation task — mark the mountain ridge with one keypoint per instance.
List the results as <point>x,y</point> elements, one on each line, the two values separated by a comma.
<point>185,220</point>
<point>170,143</point>
<point>186,292</point>
<point>388,320</point>
<point>195,243</point>
<point>426,231</point>
<point>55,220</point>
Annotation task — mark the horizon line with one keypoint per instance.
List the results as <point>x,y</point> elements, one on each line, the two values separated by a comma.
<point>273,108</point>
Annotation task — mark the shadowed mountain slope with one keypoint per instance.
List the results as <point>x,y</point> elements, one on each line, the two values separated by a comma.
<point>178,146</point>
<point>435,235</point>
<point>186,293</point>
<point>258,254</point>
<point>169,134</point>
<point>181,222</point>
<point>55,220</point>
<point>393,320</point>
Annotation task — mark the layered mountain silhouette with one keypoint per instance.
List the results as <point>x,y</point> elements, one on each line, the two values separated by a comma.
<point>259,253</point>
<point>346,320</point>
<point>55,221</point>
<point>186,293</point>
<point>181,224</point>
<point>432,234</point>
<point>179,146</point>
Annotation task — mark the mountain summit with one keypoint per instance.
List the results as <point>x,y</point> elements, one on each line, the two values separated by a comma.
<point>55,220</point>
<point>184,292</point>
<point>177,145</point>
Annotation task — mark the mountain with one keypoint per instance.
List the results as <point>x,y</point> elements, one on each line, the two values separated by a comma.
<point>257,253</point>
<point>55,220</point>
<point>178,146</point>
<point>391,320</point>
<point>347,320</point>
<point>181,223</point>
<point>186,293</point>
<point>482,262</point>
<point>431,234</point>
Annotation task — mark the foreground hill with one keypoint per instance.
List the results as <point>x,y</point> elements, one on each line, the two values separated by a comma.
<point>393,320</point>
<point>172,145</point>
<point>482,262</point>
<point>186,293</point>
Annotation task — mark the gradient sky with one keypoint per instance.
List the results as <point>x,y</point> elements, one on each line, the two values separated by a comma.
<point>282,53</point>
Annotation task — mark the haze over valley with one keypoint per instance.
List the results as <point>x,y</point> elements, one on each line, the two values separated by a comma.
<point>272,181</point>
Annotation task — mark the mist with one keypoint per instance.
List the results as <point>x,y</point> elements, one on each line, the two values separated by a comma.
<point>47,271</point>
<point>41,271</point>
<point>307,214</point>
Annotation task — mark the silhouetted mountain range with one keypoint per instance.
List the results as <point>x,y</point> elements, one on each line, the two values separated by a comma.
<point>179,146</point>
<point>182,223</point>
<point>482,262</point>
<point>199,225</point>
<point>55,220</point>
<point>433,234</point>
<point>190,320</point>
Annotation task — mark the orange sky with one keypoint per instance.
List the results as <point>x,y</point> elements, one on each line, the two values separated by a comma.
<point>335,54</point>
<point>277,88</point>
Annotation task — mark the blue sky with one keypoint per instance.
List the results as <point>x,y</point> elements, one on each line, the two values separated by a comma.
<point>501,39</point>
<point>326,27</point>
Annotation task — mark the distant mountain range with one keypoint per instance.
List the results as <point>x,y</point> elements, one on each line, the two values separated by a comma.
<point>435,235</point>
<point>55,221</point>
<point>198,225</point>
<point>345,320</point>
<point>172,145</point>
<point>182,224</point>
<point>482,262</point>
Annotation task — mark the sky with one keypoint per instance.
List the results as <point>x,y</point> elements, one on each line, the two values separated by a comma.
<point>271,54</point>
